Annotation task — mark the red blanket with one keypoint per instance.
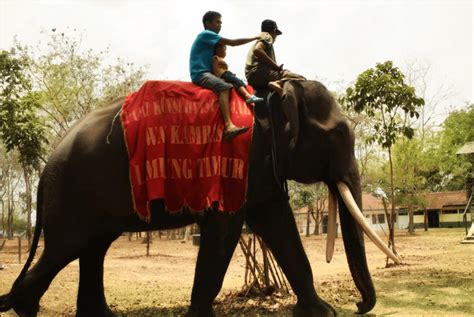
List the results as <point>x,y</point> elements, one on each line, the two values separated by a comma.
<point>173,132</point>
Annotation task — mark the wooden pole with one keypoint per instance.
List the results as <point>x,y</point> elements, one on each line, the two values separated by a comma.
<point>19,249</point>
<point>247,258</point>
<point>148,238</point>
<point>266,276</point>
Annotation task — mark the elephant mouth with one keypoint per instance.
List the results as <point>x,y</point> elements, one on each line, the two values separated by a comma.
<point>358,217</point>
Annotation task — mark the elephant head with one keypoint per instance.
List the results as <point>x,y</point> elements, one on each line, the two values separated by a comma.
<point>315,143</point>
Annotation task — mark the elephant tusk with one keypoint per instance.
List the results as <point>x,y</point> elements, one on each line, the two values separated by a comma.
<point>357,214</point>
<point>332,226</point>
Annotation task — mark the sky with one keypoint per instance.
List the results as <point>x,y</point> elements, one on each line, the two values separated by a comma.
<point>331,41</point>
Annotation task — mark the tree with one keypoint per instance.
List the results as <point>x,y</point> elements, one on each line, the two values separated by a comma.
<point>418,75</point>
<point>369,156</point>
<point>381,93</point>
<point>312,197</point>
<point>72,80</point>
<point>20,126</point>
<point>409,160</point>
<point>457,129</point>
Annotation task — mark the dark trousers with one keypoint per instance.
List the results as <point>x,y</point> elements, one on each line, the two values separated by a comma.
<point>260,78</point>
<point>232,79</point>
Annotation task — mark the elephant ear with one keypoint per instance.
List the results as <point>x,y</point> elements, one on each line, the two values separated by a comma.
<point>290,104</point>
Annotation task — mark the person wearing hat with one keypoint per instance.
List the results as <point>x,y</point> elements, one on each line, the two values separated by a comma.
<point>200,66</point>
<point>261,69</point>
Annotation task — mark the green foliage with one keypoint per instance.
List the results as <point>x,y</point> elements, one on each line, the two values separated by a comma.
<point>120,79</point>
<point>457,130</point>
<point>409,160</point>
<point>302,195</point>
<point>19,223</point>
<point>20,126</point>
<point>73,81</point>
<point>381,93</point>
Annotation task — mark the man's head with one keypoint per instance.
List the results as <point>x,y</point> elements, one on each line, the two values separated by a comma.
<point>212,21</point>
<point>271,27</point>
<point>220,50</point>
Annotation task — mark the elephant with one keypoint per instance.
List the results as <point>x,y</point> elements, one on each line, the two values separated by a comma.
<point>84,203</point>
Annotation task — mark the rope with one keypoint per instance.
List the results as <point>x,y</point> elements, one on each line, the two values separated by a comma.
<point>107,139</point>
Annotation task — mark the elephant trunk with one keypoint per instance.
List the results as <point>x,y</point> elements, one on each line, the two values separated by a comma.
<point>355,249</point>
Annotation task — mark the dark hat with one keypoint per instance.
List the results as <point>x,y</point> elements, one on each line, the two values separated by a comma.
<point>270,26</point>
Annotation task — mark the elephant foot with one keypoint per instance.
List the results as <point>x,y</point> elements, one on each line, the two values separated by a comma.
<point>99,312</point>
<point>318,309</point>
<point>30,312</point>
<point>27,307</point>
<point>193,312</point>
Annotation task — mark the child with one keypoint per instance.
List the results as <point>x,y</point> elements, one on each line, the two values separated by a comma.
<point>220,69</point>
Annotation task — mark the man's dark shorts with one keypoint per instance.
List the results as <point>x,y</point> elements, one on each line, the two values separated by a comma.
<point>260,77</point>
<point>210,81</point>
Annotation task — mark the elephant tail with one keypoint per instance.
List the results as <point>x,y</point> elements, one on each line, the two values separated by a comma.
<point>5,304</point>
<point>6,299</point>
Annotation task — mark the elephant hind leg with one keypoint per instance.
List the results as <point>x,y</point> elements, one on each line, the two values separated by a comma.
<point>26,293</point>
<point>91,298</point>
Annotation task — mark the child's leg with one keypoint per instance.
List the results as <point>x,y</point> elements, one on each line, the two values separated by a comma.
<point>240,87</point>
<point>243,92</point>
<point>238,84</point>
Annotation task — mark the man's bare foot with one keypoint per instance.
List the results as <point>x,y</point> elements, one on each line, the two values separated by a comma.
<point>275,86</point>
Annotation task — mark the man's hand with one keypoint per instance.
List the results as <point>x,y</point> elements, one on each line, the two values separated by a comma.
<point>265,36</point>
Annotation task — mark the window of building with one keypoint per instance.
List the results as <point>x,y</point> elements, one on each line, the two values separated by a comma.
<point>381,218</point>
<point>447,212</point>
<point>403,211</point>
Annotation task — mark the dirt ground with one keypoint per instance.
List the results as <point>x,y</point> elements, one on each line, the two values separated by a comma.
<point>437,279</point>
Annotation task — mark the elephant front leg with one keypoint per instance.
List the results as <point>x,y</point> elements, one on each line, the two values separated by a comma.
<point>220,234</point>
<point>275,223</point>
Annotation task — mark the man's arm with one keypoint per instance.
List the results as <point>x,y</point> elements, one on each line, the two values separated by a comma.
<point>237,42</point>
<point>259,51</point>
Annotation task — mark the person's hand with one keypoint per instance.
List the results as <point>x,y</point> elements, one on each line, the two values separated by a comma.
<point>265,36</point>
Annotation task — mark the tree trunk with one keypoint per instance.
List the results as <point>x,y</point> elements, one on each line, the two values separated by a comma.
<point>27,177</point>
<point>10,208</point>
<point>411,225</point>
<point>3,217</point>
<point>317,221</point>
<point>148,241</point>
<point>187,233</point>
<point>391,227</point>
<point>308,221</point>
